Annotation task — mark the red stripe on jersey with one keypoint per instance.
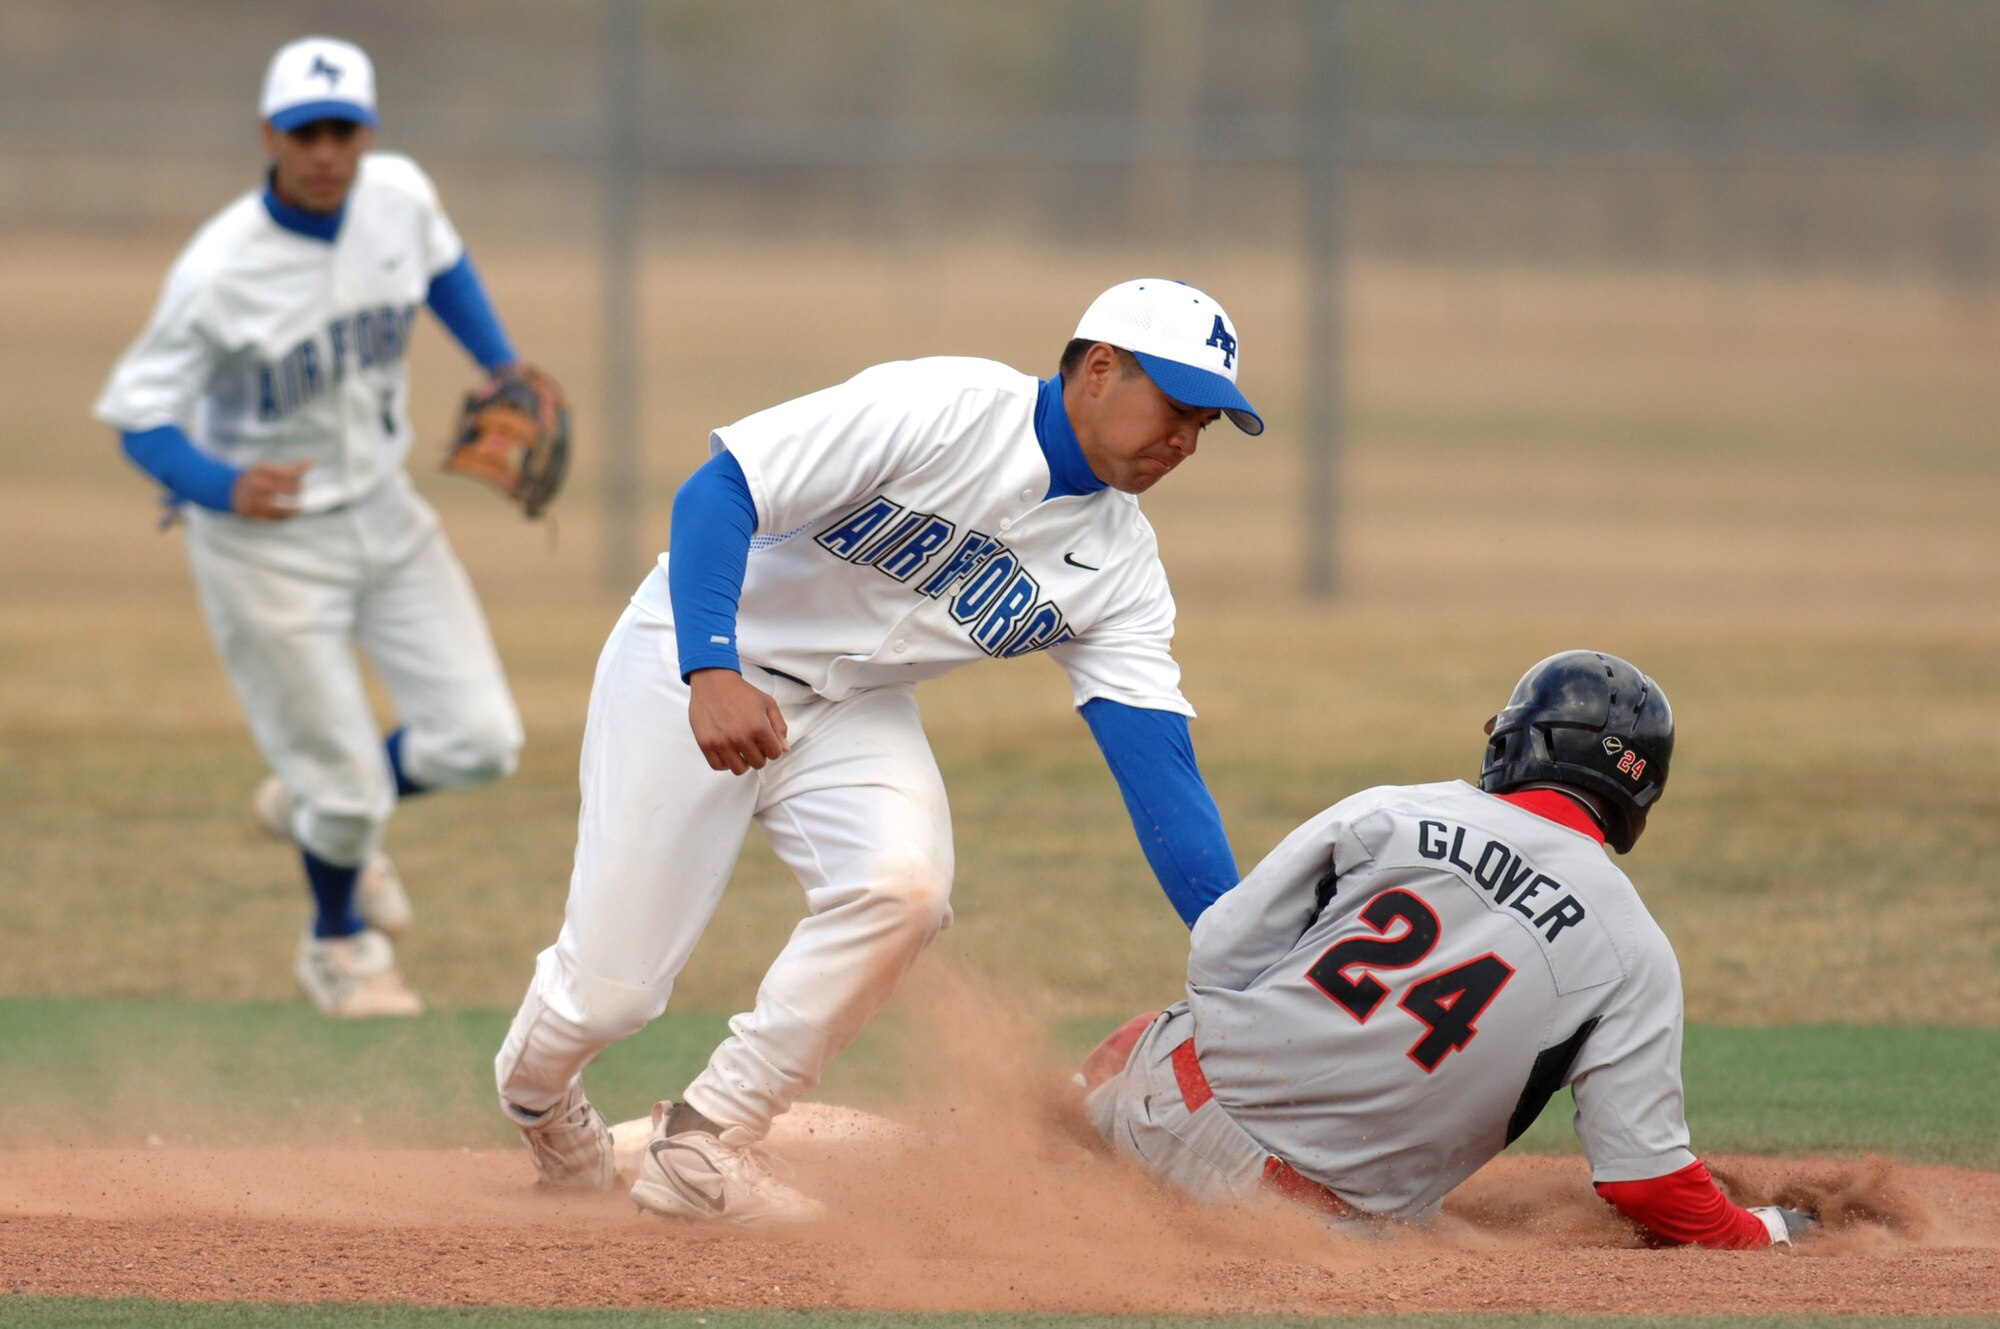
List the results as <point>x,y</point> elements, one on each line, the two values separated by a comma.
<point>1686,1208</point>
<point>1187,1074</point>
<point>1558,808</point>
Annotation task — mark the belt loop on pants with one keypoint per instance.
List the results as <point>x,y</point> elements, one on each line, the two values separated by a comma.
<point>1279,1176</point>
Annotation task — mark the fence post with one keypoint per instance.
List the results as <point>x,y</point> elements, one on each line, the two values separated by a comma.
<point>1325,160</point>
<point>621,272</point>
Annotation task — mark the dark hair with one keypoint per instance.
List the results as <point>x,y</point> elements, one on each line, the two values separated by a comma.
<point>1072,358</point>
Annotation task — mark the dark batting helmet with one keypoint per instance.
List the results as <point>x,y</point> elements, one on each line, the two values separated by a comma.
<point>1593,722</point>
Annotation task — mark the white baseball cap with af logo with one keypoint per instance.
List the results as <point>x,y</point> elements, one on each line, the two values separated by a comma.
<point>318,78</point>
<point>1180,337</point>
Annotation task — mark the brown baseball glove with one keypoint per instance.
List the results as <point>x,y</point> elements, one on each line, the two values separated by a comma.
<point>513,433</point>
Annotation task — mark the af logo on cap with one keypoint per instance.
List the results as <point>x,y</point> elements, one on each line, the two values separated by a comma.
<point>318,78</point>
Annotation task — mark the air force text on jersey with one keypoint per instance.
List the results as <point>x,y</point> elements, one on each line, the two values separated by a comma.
<point>1502,873</point>
<point>367,339</point>
<point>998,601</point>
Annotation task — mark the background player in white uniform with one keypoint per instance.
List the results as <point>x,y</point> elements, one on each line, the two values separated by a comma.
<point>834,551</point>
<point>1392,996</point>
<point>269,394</point>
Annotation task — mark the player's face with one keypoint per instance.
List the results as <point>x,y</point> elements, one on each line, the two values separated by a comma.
<point>1131,433</point>
<point>314,165</point>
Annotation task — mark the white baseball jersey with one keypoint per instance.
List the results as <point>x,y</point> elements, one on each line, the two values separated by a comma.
<point>1389,1030</point>
<point>270,346</point>
<point>902,533</point>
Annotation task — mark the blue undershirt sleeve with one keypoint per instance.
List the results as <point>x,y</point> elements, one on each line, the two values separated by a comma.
<point>709,549</point>
<point>459,300</point>
<point>168,455</point>
<point>1179,826</point>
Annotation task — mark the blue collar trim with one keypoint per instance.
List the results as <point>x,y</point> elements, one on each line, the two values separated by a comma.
<point>1069,473</point>
<point>313,225</point>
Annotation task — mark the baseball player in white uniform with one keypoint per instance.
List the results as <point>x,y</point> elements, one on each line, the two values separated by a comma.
<point>1391,997</point>
<point>268,395</point>
<point>833,552</point>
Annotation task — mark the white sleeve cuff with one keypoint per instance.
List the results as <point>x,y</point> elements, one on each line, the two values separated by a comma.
<point>1773,1219</point>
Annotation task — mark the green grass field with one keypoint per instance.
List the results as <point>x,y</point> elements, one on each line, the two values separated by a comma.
<point>123,1073</point>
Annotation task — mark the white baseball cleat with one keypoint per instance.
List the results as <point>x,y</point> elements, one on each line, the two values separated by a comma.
<point>355,977</point>
<point>570,1143</point>
<point>379,896</point>
<point>694,1175</point>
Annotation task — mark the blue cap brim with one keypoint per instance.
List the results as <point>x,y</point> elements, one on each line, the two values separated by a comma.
<point>306,112</point>
<point>1201,388</point>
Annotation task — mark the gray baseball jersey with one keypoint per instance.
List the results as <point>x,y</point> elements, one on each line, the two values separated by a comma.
<point>1396,991</point>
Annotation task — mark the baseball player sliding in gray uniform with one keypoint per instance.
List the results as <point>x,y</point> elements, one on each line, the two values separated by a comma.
<point>834,551</point>
<point>268,395</point>
<point>1392,996</point>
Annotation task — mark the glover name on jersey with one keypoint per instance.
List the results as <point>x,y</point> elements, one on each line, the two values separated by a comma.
<point>1503,873</point>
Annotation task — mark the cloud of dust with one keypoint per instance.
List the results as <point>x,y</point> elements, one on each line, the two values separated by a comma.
<point>1863,1204</point>
<point>999,1181</point>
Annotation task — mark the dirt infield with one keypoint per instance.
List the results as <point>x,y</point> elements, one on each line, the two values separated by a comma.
<point>935,1225</point>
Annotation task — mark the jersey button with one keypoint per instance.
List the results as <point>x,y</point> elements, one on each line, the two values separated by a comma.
<point>1027,495</point>
<point>1006,523</point>
<point>902,646</point>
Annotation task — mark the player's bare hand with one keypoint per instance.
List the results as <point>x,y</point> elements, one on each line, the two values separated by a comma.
<point>737,723</point>
<point>268,491</point>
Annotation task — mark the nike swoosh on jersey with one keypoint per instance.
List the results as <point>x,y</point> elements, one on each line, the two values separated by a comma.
<point>1071,560</point>
<point>710,1200</point>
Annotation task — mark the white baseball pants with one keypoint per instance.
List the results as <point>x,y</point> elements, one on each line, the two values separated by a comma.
<point>856,809</point>
<point>287,604</point>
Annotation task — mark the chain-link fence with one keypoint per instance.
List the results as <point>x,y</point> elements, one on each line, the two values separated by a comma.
<point>1699,133</point>
<point>1707,138</point>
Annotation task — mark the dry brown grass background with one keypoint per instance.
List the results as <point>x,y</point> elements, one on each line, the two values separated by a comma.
<point>1778,497</point>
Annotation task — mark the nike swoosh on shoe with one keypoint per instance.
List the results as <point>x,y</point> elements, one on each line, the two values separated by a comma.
<point>711,1201</point>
